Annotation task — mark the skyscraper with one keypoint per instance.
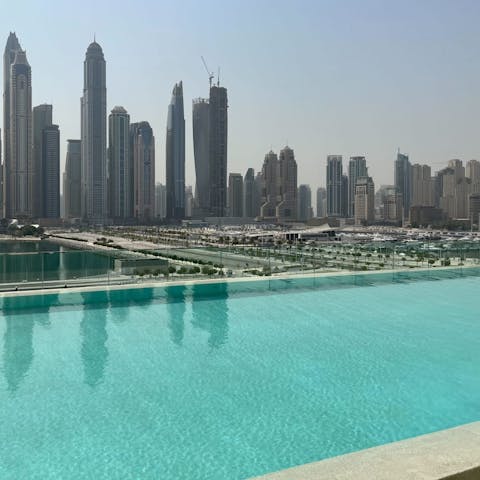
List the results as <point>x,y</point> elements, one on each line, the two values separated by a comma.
<point>364,201</point>
<point>422,186</point>
<point>50,178</point>
<point>304,203</point>
<point>11,48</point>
<point>335,195</point>
<point>120,169</point>
<point>142,150</point>
<point>403,181</point>
<point>249,207</point>
<point>42,118</point>
<point>72,180</point>
<point>188,201</point>
<point>218,133</point>
<point>19,164</point>
<point>321,202</point>
<point>270,186</point>
<point>357,167</point>
<point>235,195</point>
<point>472,172</point>
<point>94,136</point>
<point>160,200</point>
<point>175,155</point>
<point>287,185</point>
<point>201,146</point>
<point>258,193</point>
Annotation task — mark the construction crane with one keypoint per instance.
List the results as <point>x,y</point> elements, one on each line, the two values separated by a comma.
<point>210,74</point>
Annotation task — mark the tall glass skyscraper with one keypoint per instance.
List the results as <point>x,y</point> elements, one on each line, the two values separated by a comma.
<point>94,136</point>
<point>50,192</point>
<point>175,156</point>
<point>18,180</point>
<point>42,118</point>
<point>218,132</point>
<point>11,48</point>
<point>304,203</point>
<point>201,138</point>
<point>357,167</point>
<point>120,168</point>
<point>335,186</point>
<point>142,150</point>
<point>287,185</point>
<point>72,180</point>
<point>403,181</point>
<point>235,195</point>
<point>250,209</point>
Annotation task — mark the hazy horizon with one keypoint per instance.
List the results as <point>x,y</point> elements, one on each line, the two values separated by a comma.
<point>328,77</point>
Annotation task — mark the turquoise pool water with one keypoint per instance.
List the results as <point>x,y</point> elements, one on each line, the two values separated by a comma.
<point>184,385</point>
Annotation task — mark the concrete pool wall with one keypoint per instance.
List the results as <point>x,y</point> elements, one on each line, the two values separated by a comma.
<point>452,454</point>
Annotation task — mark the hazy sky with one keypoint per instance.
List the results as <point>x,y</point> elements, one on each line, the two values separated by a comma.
<point>351,77</point>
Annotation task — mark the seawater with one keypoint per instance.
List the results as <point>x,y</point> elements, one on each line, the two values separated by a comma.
<point>45,261</point>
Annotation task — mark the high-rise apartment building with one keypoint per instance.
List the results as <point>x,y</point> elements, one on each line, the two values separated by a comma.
<point>357,167</point>
<point>235,195</point>
<point>304,203</point>
<point>94,136</point>
<point>175,156</point>
<point>364,201</point>
<point>269,186</point>
<point>188,201</point>
<point>390,204</point>
<point>42,118</point>
<point>321,202</point>
<point>287,185</point>
<point>474,209</point>
<point>423,193</point>
<point>142,150</point>
<point>250,209</point>
<point>403,181</point>
<point>160,200</point>
<point>120,167</point>
<point>335,186</point>
<point>50,179</point>
<point>201,148</point>
<point>218,133</point>
<point>18,162</point>
<point>472,170</point>
<point>258,193</point>
<point>72,180</point>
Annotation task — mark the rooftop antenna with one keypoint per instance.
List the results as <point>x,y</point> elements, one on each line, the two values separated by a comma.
<point>210,74</point>
<point>218,77</point>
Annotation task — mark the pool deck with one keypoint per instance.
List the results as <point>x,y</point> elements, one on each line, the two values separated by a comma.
<point>452,454</point>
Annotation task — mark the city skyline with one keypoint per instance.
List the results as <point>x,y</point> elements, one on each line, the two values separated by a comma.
<point>409,105</point>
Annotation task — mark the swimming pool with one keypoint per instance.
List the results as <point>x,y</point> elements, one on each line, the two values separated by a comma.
<point>231,381</point>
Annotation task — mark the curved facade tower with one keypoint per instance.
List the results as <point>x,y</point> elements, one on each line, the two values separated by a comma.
<point>94,136</point>
<point>175,156</point>
<point>120,170</point>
